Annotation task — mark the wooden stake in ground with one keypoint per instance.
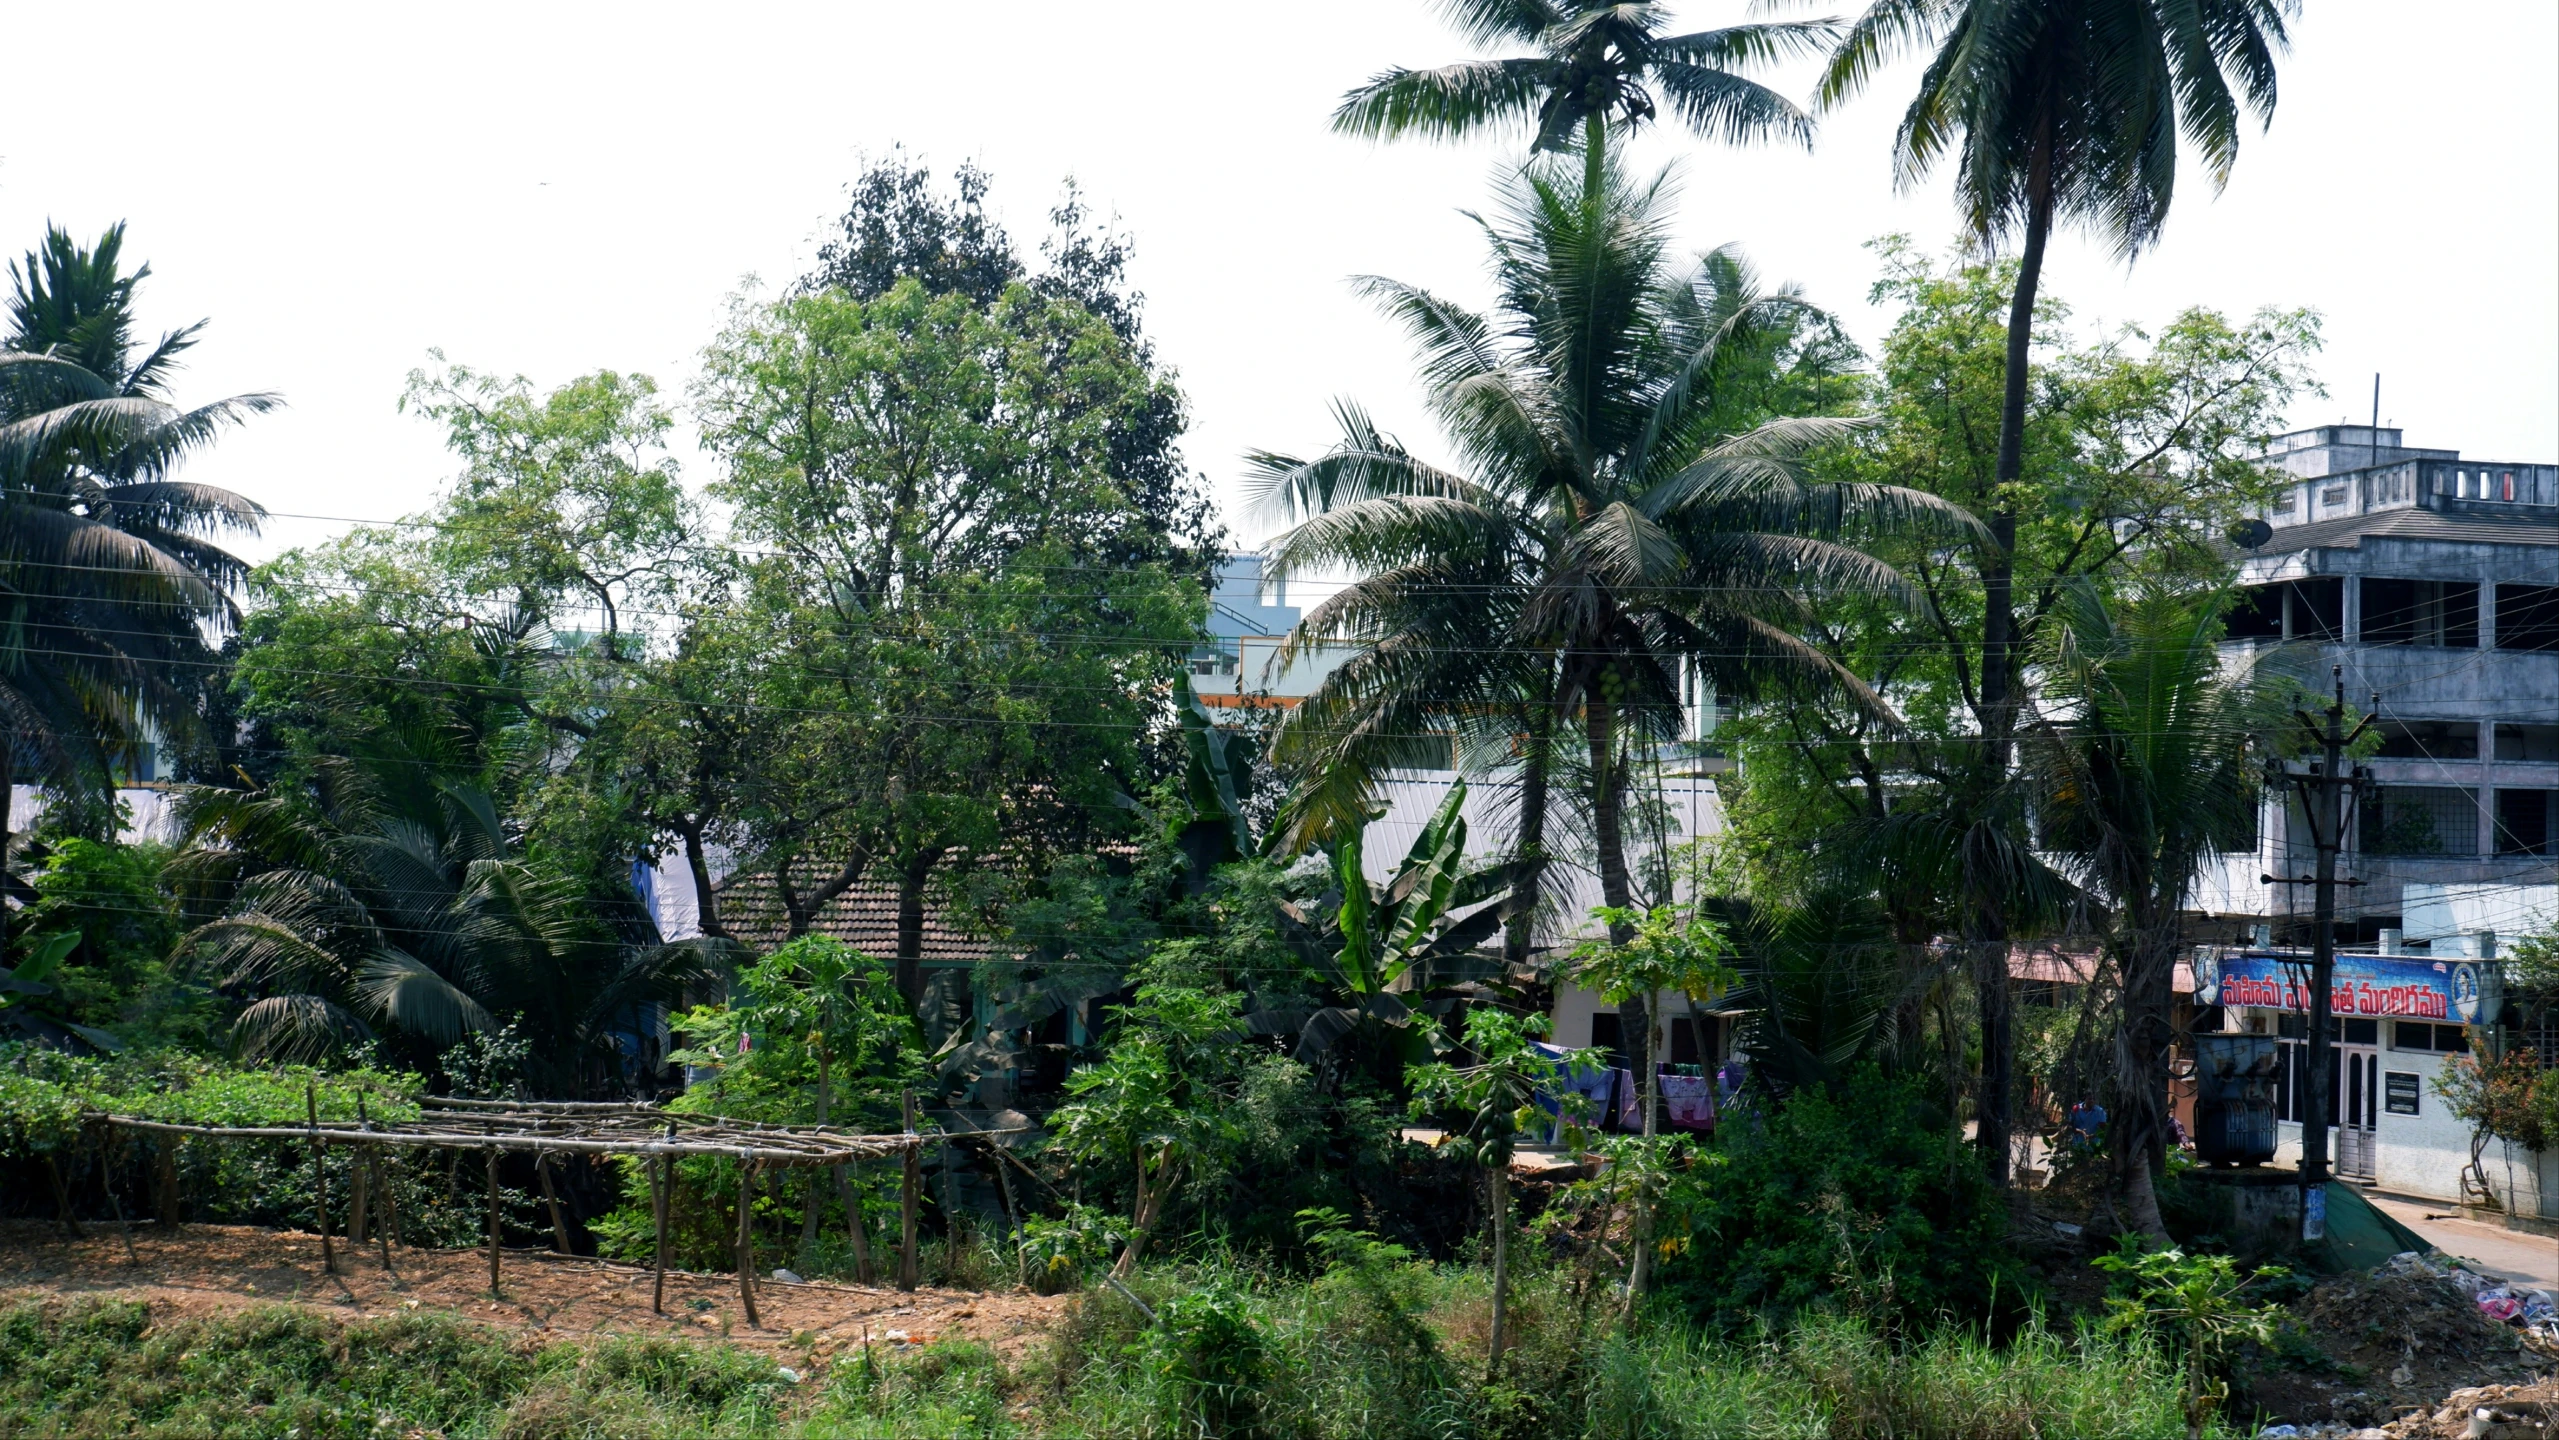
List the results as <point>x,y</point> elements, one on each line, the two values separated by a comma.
<point>107,1174</point>
<point>659,1181</point>
<point>62,1198</point>
<point>360,1185</point>
<point>493,1222</point>
<point>319,1178</point>
<point>165,1181</point>
<point>853,1226</point>
<point>746,1242</point>
<point>912,1182</point>
<point>551,1197</point>
<point>389,1229</point>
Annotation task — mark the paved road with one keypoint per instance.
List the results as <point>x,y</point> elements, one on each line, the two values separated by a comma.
<point>2514,1256</point>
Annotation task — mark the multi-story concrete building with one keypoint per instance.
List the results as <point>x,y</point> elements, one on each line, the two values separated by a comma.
<point>2433,581</point>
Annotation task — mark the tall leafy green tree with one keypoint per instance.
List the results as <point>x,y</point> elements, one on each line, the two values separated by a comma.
<point>2138,457</point>
<point>898,225</point>
<point>2142,768</point>
<point>113,588</point>
<point>1624,506</point>
<point>966,650</point>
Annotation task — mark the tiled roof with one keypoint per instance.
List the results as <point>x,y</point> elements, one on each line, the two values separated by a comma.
<point>2350,531</point>
<point>864,917</point>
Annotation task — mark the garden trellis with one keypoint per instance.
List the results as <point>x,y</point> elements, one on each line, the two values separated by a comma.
<point>548,1128</point>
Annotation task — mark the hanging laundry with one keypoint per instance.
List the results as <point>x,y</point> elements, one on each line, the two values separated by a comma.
<point>1688,1102</point>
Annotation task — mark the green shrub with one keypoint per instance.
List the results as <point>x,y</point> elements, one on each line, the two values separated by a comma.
<point>1865,1197</point>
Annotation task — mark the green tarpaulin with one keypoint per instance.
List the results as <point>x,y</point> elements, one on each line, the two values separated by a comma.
<point>2359,1235</point>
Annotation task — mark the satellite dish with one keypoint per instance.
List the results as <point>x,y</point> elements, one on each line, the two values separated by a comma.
<point>2249,534</point>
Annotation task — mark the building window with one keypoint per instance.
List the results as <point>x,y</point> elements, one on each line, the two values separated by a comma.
<point>2257,614</point>
<point>2421,612</point>
<point>2528,617</point>
<point>2528,742</point>
<point>2421,820</point>
<point>2429,740</point>
<point>2528,822</point>
<point>2428,1039</point>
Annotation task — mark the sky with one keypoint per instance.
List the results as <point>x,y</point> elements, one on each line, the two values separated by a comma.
<point>549,189</point>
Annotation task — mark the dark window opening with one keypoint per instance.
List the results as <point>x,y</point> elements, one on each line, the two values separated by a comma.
<point>1606,1034</point>
<point>2421,612</point>
<point>2358,1032</point>
<point>2528,742</point>
<point>2258,614</point>
<point>2525,822</point>
<point>2429,740</point>
<point>2528,617</point>
<point>2317,608</point>
<point>2430,1039</point>
<point>2421,820</point>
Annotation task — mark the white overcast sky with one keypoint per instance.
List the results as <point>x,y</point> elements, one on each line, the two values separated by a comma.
<point>548,189</point>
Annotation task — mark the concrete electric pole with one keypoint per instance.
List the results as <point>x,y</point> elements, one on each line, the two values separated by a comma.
<point>2323,790</point>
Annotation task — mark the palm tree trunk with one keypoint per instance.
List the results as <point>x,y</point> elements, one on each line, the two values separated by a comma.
<point>1528,859</point>
<point>1616,889</point>
<point>1498,1179</point>
<point>2139,1125</point>
<point>2000,655</point>
<point>1992,1104</point>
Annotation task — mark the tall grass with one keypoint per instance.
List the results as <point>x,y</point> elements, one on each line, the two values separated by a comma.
<point>1370,1351</point>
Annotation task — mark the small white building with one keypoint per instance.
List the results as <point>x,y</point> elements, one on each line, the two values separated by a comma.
<point>2401,1014</point>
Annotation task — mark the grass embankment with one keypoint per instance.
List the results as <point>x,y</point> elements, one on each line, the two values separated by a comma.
<point>1374,1355</point>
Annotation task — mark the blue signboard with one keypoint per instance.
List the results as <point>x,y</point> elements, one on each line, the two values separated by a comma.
<point>2461,992</point>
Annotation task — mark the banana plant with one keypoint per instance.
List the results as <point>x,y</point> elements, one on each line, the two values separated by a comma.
<point>19,1020</point>
<point>1360,939</point>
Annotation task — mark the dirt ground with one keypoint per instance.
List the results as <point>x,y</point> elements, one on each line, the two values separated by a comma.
<point>2397,1344</point>
<point>211,1269</point>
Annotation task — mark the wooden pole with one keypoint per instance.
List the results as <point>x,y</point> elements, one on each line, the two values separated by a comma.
<point>389,1229</point>
<point>912,1182</point>
<point>165,1156</point>
<point>115,1207</point>
<point>493,1222</point>
<point>551,1197</point>
<point>360,1185</point>
<point>660,1168</point>
<point>853,1226</point>
<point>746,1242</point>
<point>62,1198</point>
<point>319,1177</point>
<point>1012,1220</point>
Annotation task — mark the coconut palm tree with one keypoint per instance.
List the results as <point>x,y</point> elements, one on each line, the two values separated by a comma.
<point>2061,109</point>
<point>2053,110</point>
<point>2139,754</point>
<point>378,901</point>
<point>1595,63</point>
<point>1613,517</point>
<point>113,592</point>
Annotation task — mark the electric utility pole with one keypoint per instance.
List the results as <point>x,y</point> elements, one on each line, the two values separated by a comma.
<point>2323,804</point>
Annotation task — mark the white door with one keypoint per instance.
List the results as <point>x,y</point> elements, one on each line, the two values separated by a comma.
<point>2358,1112</point>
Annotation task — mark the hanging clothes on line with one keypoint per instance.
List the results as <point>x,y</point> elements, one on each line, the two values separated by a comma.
<point>1688,1102</point>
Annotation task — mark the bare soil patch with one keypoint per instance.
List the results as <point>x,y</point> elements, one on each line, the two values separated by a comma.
<point>214,1269</point>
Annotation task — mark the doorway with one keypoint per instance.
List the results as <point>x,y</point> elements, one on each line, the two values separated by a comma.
<point>2358,1091</point>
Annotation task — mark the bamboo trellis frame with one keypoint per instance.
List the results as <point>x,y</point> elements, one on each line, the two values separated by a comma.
<point>548,1127</point>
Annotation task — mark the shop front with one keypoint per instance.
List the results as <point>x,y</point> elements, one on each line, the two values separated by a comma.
<point>2398,1019</point>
